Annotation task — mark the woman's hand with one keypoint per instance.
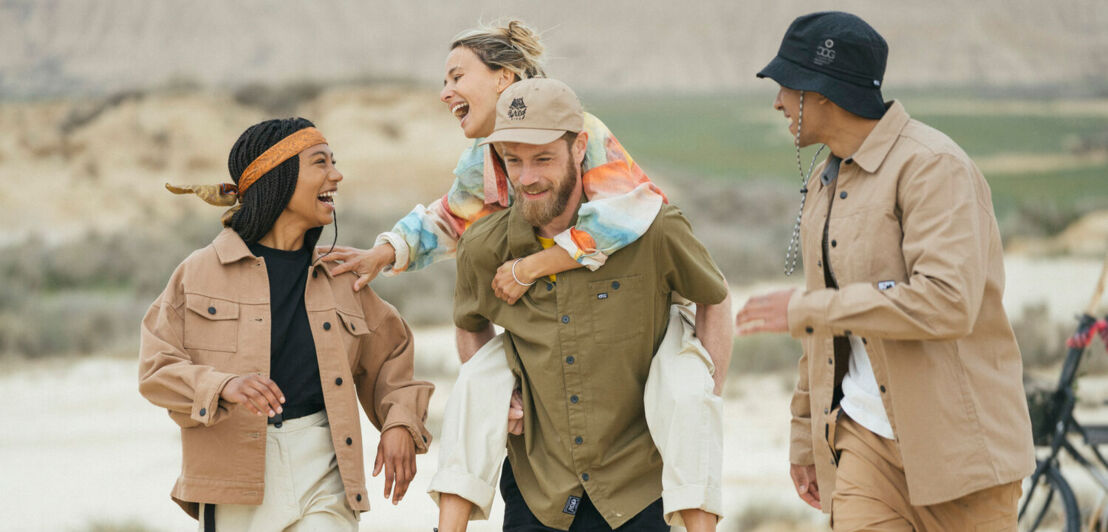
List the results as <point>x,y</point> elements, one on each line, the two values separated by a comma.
<point>505,286</point>
<point>550,261</point>
<point>396,454</point>
<point>366,263</point>
<point>258,393</point>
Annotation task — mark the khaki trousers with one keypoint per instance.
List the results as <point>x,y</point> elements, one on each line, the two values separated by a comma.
<point>303,488</point>
<point>871,492</point>
<point>684,416</point>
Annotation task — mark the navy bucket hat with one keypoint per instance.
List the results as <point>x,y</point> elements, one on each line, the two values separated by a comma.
<point>837,55</point>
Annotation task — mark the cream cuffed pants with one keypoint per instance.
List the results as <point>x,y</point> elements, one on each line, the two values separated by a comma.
<point>684,416</point>
<point>303,488</point>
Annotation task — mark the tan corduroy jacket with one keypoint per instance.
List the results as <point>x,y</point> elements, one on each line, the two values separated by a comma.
<point>212,323</point>
<point>914,247</point>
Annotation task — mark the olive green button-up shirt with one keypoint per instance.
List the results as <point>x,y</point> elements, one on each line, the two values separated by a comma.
<point>581,349</point>
<point>913,245</point>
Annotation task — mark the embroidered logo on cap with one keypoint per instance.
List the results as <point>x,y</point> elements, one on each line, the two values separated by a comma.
<point>517,110</point>
<point>571,505</point>
<point>825,55</point>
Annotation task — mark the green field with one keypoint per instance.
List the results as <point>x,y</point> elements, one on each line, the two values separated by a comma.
<point>735,137</point>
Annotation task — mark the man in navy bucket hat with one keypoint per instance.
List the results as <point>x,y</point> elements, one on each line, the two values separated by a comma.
<point>837,55</point>
<point>909,411</point>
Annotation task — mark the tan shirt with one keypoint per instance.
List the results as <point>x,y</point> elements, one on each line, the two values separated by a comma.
<point>212,323</point>
<point>915,249</point>
<point>582,348</point>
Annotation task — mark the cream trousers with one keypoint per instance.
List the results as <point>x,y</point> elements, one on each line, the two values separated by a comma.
<point>684,416</point>
<point>303,488</point>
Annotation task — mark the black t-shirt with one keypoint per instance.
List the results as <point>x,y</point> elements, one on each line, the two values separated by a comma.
<point>292,357</point>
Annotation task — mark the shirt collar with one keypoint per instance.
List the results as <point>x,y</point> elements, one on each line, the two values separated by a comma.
<point>880,141</point>
<point>230,247</point>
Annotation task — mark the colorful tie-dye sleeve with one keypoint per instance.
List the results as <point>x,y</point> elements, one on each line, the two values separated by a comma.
<point>622,203</point>
<point>430,234</point>
<point>622,200</point>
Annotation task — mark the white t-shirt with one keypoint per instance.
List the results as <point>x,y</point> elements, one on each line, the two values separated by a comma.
<point>861,396</point>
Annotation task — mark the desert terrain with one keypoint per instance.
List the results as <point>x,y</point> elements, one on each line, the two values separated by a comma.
<point>102,103</point>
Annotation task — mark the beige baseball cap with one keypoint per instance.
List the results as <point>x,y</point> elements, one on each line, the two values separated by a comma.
<point>536,111</point>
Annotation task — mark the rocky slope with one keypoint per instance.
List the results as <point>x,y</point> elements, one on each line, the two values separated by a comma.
<point>72,46</point>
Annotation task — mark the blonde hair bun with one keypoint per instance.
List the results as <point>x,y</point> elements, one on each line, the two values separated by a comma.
<point>513,46</point>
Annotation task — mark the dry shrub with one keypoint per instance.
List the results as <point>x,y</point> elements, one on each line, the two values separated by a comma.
<point>764,353</point>
<point>278,100</point>
<point>89,294</point>
<point>83,114</point>
<point>772,515</point>
<point>1039,219</point>
<point>1042,341</point>
<point>113,526</point>
<point>744,224</point>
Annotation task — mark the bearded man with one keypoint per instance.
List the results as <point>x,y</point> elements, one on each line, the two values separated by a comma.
<point>580,344</point>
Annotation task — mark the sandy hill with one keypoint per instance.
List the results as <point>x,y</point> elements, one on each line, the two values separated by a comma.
<point>70,166</point>
<point>73,46</point>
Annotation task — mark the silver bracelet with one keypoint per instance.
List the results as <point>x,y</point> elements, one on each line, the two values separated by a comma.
<point>521,283</point>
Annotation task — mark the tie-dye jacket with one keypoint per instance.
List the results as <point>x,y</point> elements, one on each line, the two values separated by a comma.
<point>622,203</point>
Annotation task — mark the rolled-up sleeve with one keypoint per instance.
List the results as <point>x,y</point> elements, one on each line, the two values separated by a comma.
<point>387,389</point>
<point>687,267</point>
<point>467,296</point>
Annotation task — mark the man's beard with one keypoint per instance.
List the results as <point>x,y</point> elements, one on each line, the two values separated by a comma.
<point>541,212</point>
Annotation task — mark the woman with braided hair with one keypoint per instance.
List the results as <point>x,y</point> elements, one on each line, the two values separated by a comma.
<point>262,356</point>
<point>622,204</point>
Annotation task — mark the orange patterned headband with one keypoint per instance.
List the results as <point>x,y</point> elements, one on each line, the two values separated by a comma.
<point>279,153</point>
<point>227,194</point>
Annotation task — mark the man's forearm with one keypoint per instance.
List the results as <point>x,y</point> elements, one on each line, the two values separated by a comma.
<point>714,329</point>
<point>469,342</point>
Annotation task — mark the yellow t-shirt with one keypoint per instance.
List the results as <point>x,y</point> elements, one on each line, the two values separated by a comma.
<point>548,243</point>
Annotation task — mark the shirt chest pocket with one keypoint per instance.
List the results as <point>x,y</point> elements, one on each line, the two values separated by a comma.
<point>617,309</point>
<point>884,248</point>
<point>354,329</point>
<point>211,324</point>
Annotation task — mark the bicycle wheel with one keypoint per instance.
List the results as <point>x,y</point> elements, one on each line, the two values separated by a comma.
<point>1048,503</point>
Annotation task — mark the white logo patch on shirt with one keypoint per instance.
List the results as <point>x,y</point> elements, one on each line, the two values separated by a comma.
<point>571,505</point>
<point>885,285</point>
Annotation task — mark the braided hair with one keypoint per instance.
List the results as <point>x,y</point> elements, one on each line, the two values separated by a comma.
<point>267,198</point>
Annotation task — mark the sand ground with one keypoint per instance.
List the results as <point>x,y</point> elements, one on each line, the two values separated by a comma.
<point>82,447</point>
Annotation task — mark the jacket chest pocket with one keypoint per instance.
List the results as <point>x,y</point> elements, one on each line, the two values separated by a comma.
<point>617,308</point>
<point>884,249</point>
<point>354,329</point>
<point>211,324</point>
<point>846,243</point>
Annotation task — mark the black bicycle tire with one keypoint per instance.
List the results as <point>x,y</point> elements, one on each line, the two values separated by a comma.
<point>1062,489</point>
